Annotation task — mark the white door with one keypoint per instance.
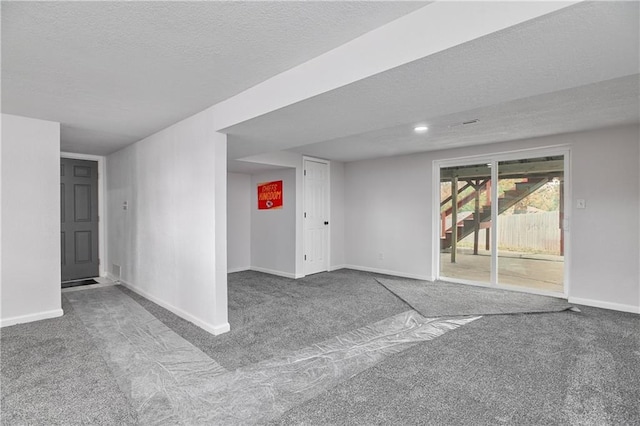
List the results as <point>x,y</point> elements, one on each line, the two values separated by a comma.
<point>316,216</point>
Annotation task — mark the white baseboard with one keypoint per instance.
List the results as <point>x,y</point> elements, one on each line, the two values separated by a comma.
<point>240,269</point>
<point>274,272</point>
<point>213,329</point>
<point>112,277</point>
<point>605,305</point>
<point>6,322</point>
<point>387,272</point>
<point>337,267</point>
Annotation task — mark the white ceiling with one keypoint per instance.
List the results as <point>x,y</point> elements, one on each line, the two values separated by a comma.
<point>587,107</point>
<point>115,72</point>
<point>575,69</point>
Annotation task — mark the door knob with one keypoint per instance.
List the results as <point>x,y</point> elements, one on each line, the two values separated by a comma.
<point>326,222</point>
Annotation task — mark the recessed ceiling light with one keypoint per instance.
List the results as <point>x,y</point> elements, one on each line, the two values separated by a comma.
<point>421,128</point>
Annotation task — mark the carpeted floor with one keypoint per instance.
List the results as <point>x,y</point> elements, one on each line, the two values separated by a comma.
<point>53,374</point>
<point>552,368</point>
<point>561,368</point>
<point>271,316</point>
<point>443,299</point>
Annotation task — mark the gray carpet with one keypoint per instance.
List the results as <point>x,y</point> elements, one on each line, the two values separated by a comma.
<point>442,299</point>
<point>53,374</point>
<point>272,316</point>
<point>554,369</point>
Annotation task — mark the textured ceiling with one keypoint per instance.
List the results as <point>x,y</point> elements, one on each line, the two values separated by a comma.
<point>604,104</point>
<point>115,72</point>
<point>530,66</point>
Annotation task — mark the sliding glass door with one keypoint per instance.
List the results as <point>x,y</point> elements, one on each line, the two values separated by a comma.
<point>500,222</point>
<point>464,223</point>
<point>530,215</point>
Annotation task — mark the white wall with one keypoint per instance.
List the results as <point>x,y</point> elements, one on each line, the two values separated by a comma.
<point>292,160</point>
<point>238,222</point>
<point>388,212</point>
<point>336,226</point>
<point>30,286</point>
<point>273,232</point>
<point>171,242</point>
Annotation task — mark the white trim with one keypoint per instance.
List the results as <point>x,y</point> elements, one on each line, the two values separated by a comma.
<point>102,223</point>
<point>306,158</point>
<point>605,305</point>
<point>239,269</point>
<point>337,267</point>
<point>213,329</point>
<point>6,322</point>
<point>274,272</point>
<point>568,205</point>
<point>112,277</point>
<point>387,272</point>
<point>435,222</point>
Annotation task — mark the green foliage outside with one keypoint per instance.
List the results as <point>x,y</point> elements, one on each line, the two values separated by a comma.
<point>546,198</point>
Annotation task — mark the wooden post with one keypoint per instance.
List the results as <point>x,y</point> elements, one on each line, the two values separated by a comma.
<point>454,217</point>
<point>476,216</point>
<point>487,233</point>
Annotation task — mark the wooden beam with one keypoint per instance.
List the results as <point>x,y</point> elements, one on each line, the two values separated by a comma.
<point>476,217</point>
<point>511,169</point>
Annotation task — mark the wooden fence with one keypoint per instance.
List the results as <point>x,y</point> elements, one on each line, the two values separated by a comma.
<point>530,232</point>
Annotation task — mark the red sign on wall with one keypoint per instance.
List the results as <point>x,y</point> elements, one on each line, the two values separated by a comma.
<point>270,195</point>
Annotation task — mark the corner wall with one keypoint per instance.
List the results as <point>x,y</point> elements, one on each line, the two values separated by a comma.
<point>238,222</point>
<point>336,226</point>
<point>273,232</point>
<point>337,203</point>
<point>388,213</point>
<point>30,277</point>
<point>169,244</point>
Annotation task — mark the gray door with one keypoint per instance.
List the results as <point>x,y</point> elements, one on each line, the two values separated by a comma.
<point>79,218</point>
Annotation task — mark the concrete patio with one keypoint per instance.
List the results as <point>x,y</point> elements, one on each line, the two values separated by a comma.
<point>539,272</point>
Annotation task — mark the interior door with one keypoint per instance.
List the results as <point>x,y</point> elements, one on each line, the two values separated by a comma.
<point>79,219</point>
<point>316,216</point>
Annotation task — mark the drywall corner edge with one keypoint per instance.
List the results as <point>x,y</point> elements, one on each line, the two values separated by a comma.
<point>275,272</point>
<point>215,329</point>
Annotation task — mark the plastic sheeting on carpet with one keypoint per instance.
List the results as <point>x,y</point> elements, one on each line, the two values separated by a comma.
<point>156,368</point>
<point>171,381</point>
<point>266,390</point>
<point>443,299</point>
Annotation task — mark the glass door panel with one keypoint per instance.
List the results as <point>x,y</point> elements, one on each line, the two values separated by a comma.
<point>464,223</point>
<point>530,215</point>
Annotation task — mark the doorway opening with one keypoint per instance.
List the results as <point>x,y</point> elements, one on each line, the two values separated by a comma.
<point>79,220</point>
<point>501,223</point>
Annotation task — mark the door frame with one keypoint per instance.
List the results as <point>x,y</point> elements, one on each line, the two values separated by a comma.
<point>494,158</point>
<point>102,227</point>
<point>304,231</point>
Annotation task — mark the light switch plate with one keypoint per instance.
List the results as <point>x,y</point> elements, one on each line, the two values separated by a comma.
<point>581,203</point>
